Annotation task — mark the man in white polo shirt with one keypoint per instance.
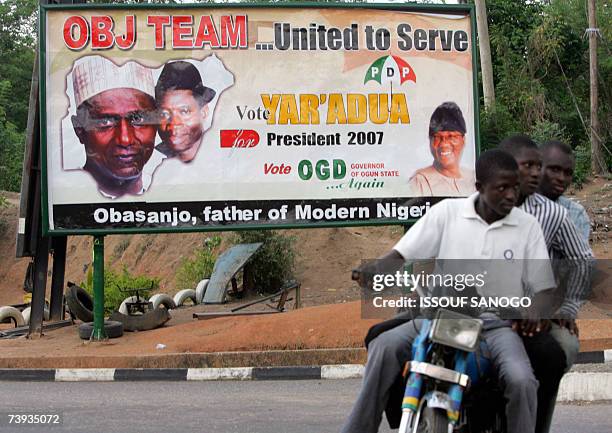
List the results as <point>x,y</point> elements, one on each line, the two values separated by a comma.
<point>483,226</point>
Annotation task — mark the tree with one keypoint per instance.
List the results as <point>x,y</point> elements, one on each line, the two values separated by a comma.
<point>17,40</point>
<point>17,43</point>
<point>11,145</point>
<point>540,65</point>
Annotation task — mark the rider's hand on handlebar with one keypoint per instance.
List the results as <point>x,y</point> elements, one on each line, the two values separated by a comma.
<point>363,278</point>
<point>570,324</point>
<point>364,274</point>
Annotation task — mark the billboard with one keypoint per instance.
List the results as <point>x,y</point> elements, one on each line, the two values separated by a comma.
<point>207,118</point>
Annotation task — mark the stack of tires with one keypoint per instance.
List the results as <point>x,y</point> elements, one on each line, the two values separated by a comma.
<point>10,314</point>
<point>80,305</point>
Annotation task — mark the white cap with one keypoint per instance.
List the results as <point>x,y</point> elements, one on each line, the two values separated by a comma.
<point>92,75</point>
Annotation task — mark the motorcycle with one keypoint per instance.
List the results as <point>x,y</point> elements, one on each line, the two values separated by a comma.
<point>449,387</point>
<point>449,384</point>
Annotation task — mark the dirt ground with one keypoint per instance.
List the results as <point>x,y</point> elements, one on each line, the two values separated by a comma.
<point>325,258</point>
<point>325,326</point>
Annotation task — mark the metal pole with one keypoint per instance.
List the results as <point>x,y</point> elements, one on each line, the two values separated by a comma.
<point>597,160</point>
<point>98,288</point>
<point>484,46</point>
<point>57,281</point>
<point>41,260</point>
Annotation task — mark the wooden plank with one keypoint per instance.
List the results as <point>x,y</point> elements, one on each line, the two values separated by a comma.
<point>282,300</point>
<point>204,316</point>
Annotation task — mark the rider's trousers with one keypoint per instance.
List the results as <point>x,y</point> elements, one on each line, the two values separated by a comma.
<point>570,346</point>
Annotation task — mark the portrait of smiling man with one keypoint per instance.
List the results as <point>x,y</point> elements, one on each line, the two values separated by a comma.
<point>115,121</point>
<point>182,101</point>
<point>445,176</point>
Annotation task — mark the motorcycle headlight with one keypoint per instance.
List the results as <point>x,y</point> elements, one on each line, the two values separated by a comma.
<point>456,330</point>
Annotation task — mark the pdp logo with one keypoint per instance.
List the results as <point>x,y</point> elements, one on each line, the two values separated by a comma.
<point>242,138</point>
<point>390,69</point>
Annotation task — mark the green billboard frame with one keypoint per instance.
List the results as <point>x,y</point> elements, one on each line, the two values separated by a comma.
<point>420,8</point>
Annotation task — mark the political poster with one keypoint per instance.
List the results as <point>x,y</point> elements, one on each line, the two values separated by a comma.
<point>197,118</point>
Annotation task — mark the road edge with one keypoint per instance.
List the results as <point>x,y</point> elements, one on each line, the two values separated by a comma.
<point>575,386</point>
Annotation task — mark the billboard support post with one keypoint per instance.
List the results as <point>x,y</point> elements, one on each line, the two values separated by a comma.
<point>41,261</point>
<point>98,288</point>
<point>56,309</point>
<point>30,240</point>
<point>27,232</point>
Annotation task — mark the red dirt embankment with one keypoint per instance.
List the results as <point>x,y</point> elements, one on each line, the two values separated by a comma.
<point>327,326</point>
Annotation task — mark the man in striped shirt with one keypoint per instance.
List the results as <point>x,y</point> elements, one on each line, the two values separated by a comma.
<point>557,173</point>
<point>563,242</point>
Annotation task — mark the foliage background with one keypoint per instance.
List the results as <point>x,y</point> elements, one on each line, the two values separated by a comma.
<point>118,286</point>
<point>17,43</point>
<point>194,269</point>
<point>273,264</point>
<point>540,57</point>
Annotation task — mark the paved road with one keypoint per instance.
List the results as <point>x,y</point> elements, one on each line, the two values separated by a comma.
<point>218,407</point>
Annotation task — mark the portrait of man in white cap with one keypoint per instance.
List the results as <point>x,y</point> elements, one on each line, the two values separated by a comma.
<point>115,121</point>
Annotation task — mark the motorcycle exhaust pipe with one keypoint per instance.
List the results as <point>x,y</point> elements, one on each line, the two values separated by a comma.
<point>407,415</point>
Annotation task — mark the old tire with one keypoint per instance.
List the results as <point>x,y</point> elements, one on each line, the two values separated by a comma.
<point>112,329</point>
<point>183,295</point>
<point>11,314</point>
<point>123,307</point>
<point>26,314</point>
<point>162,299</point>
<point>144,322</point>
<point>433,420</point>
<point>79,303</point>
<point>201,290</point>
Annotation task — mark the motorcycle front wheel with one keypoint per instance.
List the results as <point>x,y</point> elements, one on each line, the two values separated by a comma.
<point>433,420</point>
